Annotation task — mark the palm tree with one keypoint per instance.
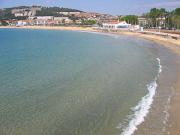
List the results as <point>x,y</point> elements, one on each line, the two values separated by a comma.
<point>162,13</point>
<point>154,15</point>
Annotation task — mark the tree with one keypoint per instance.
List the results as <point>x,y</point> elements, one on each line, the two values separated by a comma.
<point>88,22</point>
<point>177,11</point>
<point>163,16</point>
<point>6,15</point>
<point>154,14</point>
<point>131,19</point>
<point>176,18</point>
<point>3,23</point>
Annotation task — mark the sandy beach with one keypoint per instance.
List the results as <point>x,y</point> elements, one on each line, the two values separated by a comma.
<point>52,28</point>
<point>171,44</point>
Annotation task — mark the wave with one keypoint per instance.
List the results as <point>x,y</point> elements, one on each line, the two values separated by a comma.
<point>142,109</point>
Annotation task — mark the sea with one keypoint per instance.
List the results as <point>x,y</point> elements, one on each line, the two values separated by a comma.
<point>75,83</point>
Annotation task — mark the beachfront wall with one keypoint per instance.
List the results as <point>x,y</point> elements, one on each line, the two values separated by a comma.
<point>116,25</point>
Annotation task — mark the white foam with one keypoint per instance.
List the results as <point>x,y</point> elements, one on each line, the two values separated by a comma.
<point>160,67</point>
<point>166,112</point>
<point>101,33</point>
<point>142,109</point>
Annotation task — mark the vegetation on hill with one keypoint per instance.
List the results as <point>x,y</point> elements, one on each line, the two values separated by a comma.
<point>6,14</point>
<point>53,11</point>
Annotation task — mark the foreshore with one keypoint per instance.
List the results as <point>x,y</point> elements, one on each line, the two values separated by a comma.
<point>171,44</point>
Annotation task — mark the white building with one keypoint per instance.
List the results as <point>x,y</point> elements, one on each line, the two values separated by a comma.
<point>18,14</point>
<point>142,21</point>
<point>43,20</point>
<point>21,23</point>
<point>69,13</point>
<point>68,21</point>
<point>60,18</point>
<point>116,25</point>
<point>45,17</point>
<point>40,22</point>
<point>28,11</point>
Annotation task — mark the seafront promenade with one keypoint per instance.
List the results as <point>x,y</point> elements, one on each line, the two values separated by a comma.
<point>162,34</point>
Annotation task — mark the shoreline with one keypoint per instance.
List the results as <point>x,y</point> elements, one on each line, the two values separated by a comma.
<point>171,44</point>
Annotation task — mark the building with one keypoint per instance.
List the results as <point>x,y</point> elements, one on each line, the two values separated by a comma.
<point>52,22</point>
<point>68,21</point>
<point>89,14</point>
<point>40,22</point>
<point>69,13</point>
<point>60,20</point>
<point>162,21</point>
<point>142,21</point>
<point>45,18</point>
<point>79,21</point>
<point>116,25</point>
<point>26,11</point>
<point>21,12</point>
<point>18,14</point>
<point>106,18</point>
<point>21,23</point>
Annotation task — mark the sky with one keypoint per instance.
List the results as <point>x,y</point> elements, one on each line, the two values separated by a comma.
<point>114,7</point>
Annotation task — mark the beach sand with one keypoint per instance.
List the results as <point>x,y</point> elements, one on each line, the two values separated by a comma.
<point>174,47</point>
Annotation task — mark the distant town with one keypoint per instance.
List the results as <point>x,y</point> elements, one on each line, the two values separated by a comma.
<point>59,16</point>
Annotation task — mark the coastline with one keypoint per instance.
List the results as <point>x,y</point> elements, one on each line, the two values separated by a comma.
<point>171,44</point>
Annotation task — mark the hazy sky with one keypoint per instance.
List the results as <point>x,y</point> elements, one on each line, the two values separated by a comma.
<point>115,7</point>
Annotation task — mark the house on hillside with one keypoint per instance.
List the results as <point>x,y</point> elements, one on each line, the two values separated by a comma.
<point>75,13</point>
<point>89,14</point>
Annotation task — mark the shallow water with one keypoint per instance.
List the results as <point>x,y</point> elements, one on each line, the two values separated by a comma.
<point>71,83</point>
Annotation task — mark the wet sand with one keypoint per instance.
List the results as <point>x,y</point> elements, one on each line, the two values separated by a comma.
<point>162,118</point>
<point>169,83</point>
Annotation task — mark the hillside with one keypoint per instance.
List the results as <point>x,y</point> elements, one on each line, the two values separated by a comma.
<point>6,13</point>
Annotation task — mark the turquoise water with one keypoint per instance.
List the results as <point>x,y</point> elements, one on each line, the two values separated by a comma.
<point>71,83</point>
